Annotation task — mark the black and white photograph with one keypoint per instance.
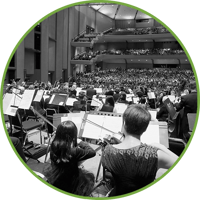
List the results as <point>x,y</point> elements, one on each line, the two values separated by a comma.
<point>100,99</point>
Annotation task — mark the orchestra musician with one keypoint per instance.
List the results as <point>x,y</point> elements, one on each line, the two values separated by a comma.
<point>133,164</point>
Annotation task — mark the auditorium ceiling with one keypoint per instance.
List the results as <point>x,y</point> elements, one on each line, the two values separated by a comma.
<point>119,12</point>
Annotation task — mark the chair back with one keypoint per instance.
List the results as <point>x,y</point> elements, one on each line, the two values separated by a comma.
<point>15,121</point>
<point>50,112</point>
<point>176,145</point>
<point>30,115</point>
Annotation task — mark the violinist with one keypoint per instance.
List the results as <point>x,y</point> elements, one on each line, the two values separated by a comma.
<point>133,164</point>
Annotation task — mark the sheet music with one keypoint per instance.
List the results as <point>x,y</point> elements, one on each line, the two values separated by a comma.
<point>78,89</point>
<point>111,123</point>
<point>120,107</point>
<point>70,101</point>
<point>153,115</point>
<point>98,90</point>
<point>11,111</point>
<point>63,119</point>
<point>151,95</point>
<point>93,131</point>
<point>129,97</point>
<point>77,118</point>
<point>39,95</point>
<point>58,99</point>
<point>96,102</point>
<point>27,99</point>
<point>151,135</point>
<point>77,121</point>
<point>135,100</point>
<point>7,101</point>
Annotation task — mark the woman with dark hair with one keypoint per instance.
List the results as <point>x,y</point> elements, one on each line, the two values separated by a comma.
<point>133,164</point>
<point>109,105</point>
<point>65,154</point>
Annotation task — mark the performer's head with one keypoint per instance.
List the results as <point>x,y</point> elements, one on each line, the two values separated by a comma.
<point>136,119</point>
<point>192,86</point>
<point>123,96</point>
<point>65,139</point>
<point>110,100</point>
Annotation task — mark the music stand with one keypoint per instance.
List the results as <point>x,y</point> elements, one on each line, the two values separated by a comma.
<point>103,182</point>
<point>58,100</point>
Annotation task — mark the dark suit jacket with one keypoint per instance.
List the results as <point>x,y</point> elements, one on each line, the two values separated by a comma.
<point>90,92</point>
<point>189,103</point>
<point>162,114</point>
<point>116,97</point>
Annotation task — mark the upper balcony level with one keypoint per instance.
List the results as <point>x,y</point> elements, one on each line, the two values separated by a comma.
<point>151,34</point>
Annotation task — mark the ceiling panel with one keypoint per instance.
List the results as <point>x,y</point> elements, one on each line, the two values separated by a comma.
<point>141,15</point>
<point>96,7</point>
<point>125,13</point>
<point>108,10</point>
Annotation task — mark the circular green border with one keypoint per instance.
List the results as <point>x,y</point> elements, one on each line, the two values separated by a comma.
<point>74,4</point>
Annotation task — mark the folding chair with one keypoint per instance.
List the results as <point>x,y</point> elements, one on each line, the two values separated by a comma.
<point>176,145</point>
<point>24,127</point>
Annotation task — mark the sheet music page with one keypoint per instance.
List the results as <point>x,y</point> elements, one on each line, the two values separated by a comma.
<point>92,131</point>
<point>81,114</point>
<point>151,135</point>
<point>98,90</point>
<point>153,115</point>
<point>27,99</point>
<point>135,100</point>
<point>111,123</point>
<point>77,118</point>
<point>63,119</point>
<point>96,102</point>
<point>52,98</point>
<point>78,89</point>
<point>120,107</point>
<point>77,121</point>
<point>70,101</point>
<point>16,100</point>
<point>7,101</point>
<point>39,95</point>
<point>151,95</point>
<point>129,97</point>
<point>11,111</point>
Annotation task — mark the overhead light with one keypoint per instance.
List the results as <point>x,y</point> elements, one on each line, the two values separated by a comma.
<point>138,60</point>
<point>185,60</point>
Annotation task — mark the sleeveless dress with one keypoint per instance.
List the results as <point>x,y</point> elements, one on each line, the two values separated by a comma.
<point>131,168</point>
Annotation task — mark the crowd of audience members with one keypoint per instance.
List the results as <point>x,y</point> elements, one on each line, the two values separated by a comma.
<point>156,51</point>
<point>157,79</point>
<point>126,31</point>
<point>138,31</point>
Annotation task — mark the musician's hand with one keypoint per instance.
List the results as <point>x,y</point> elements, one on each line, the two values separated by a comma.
<point>114,140</point>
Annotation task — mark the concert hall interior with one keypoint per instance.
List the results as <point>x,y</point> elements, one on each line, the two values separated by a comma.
<point>99,99</point>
